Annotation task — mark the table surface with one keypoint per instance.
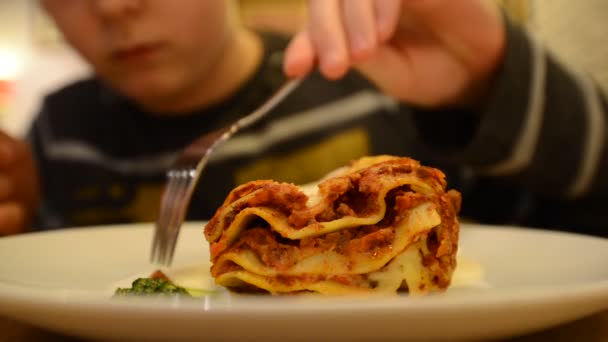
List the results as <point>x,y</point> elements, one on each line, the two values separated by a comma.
<point>590,329</point>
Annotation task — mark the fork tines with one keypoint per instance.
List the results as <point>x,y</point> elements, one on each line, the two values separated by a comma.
<point>187,169</point>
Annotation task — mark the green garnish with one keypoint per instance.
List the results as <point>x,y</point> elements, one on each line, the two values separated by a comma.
<point>151,286</point>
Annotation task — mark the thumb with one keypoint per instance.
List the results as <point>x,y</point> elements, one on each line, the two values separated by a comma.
<point>441,15</point>
<point>472,29</point>
<point>388,70</point>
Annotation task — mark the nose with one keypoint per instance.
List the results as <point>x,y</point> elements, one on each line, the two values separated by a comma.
<point>117,8</point>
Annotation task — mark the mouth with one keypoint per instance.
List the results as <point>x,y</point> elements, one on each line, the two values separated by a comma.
<point>137,53</point>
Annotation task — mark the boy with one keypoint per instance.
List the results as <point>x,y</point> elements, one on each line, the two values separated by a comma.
<point>470,94</point>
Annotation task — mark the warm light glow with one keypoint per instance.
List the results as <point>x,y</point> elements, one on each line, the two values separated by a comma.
<point>10,63</point>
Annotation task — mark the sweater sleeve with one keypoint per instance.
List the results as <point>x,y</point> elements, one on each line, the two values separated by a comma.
<point>543,127</point>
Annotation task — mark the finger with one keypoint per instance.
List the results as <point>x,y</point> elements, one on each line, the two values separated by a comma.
<point>299,56</point>
<point>360,23</point>
<point>328,37</point>
<point>12,218</point>
<point>387,16</point>
<point>6,187</point>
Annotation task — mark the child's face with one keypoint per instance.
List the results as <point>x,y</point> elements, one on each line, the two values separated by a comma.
<point>146,49</point>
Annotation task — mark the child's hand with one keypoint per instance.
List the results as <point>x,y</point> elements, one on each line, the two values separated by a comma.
<point>19,190</point>
<point>426,52</point>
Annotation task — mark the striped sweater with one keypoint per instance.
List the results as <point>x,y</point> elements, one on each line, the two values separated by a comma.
<point>533,156</point>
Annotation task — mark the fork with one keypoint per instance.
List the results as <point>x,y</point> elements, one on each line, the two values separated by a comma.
<point>187,169</point>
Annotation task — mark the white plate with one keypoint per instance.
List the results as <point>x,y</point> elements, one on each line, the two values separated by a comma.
<point>63,281</point>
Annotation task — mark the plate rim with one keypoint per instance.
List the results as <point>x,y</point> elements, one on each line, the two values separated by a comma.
<point>540,294</point>
<point>37,308</point>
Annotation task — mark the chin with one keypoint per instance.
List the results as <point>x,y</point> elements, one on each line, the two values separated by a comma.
<point>153,95</point>
<point>147,86</point>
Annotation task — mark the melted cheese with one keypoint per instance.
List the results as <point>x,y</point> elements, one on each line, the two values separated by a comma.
<point>468,274</point>
<point>420,220</point>
<point>403,263</point>
<point>272,285</point>
<point>407,266</point>
<point>311,190</point>
<point>279,222</point>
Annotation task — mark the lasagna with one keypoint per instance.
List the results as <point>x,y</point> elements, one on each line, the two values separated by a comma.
<point>379,225</point>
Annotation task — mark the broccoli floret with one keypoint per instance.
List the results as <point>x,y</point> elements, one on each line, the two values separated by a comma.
<point>151,286</point>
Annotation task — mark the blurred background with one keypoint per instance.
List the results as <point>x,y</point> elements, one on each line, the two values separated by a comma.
<point>34,60</point>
